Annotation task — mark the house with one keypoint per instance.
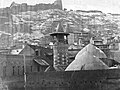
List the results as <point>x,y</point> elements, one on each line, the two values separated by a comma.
<point>98,42</point>
<point>30,59</point>
<point>15,65</point>
<point>84,37</point>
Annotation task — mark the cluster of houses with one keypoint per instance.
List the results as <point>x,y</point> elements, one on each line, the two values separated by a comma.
<point>43,58</point>
<point>56,57</point>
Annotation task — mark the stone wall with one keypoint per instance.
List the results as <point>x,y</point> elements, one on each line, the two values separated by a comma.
<point>13,65</point>
<point>74,80</point>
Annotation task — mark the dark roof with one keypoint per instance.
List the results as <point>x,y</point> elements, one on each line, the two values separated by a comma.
<point>41,61</point>
<point>47,54</point>
<point>47,49</point>
<point>50,68</point>
<point>110,62</point>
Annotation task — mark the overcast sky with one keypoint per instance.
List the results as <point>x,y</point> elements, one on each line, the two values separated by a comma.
<point>107,6</point>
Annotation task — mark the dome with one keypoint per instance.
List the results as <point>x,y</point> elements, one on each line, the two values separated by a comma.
<point>86,61</point>
<point>92,50</point>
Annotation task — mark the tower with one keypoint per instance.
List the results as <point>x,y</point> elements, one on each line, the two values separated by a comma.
<point>58,4</point>
<point>60,48</point>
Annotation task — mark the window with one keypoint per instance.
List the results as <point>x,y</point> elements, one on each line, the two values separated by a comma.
<point>37,52</point>
<point>38,68</point>
<point>18,70</point>
<point>13,70</point>
<point>31,68</point>
<point>23,69</point>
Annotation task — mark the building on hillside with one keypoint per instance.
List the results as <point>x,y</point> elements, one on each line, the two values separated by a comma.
<point>84,38</point>
<point>98,42</point>
<point>78,38</point>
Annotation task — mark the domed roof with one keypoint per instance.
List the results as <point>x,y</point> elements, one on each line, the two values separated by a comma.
<point>92,50</point>
<point>86,61</point>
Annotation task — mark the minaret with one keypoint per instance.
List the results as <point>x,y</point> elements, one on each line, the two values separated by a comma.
<point>60,48</point>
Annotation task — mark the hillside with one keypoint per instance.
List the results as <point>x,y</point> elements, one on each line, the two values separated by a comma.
<point>34,26</point>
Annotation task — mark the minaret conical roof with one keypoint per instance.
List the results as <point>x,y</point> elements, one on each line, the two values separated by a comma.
<point>59,30</point>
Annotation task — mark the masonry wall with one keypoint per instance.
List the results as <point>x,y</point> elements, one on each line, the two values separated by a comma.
<point>73,80</point>
<point>13,65</point>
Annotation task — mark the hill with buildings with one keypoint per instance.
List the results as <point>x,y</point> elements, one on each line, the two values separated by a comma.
<point>33,23</point>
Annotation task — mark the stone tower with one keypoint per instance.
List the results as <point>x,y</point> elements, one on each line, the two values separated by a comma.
<point>60,48</point>
<point>58,3</point>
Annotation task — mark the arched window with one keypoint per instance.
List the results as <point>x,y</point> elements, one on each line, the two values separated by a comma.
<point>38,68</point>
<point>37,52</point>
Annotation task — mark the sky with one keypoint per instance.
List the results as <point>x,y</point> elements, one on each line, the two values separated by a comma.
<point>107,6</point>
